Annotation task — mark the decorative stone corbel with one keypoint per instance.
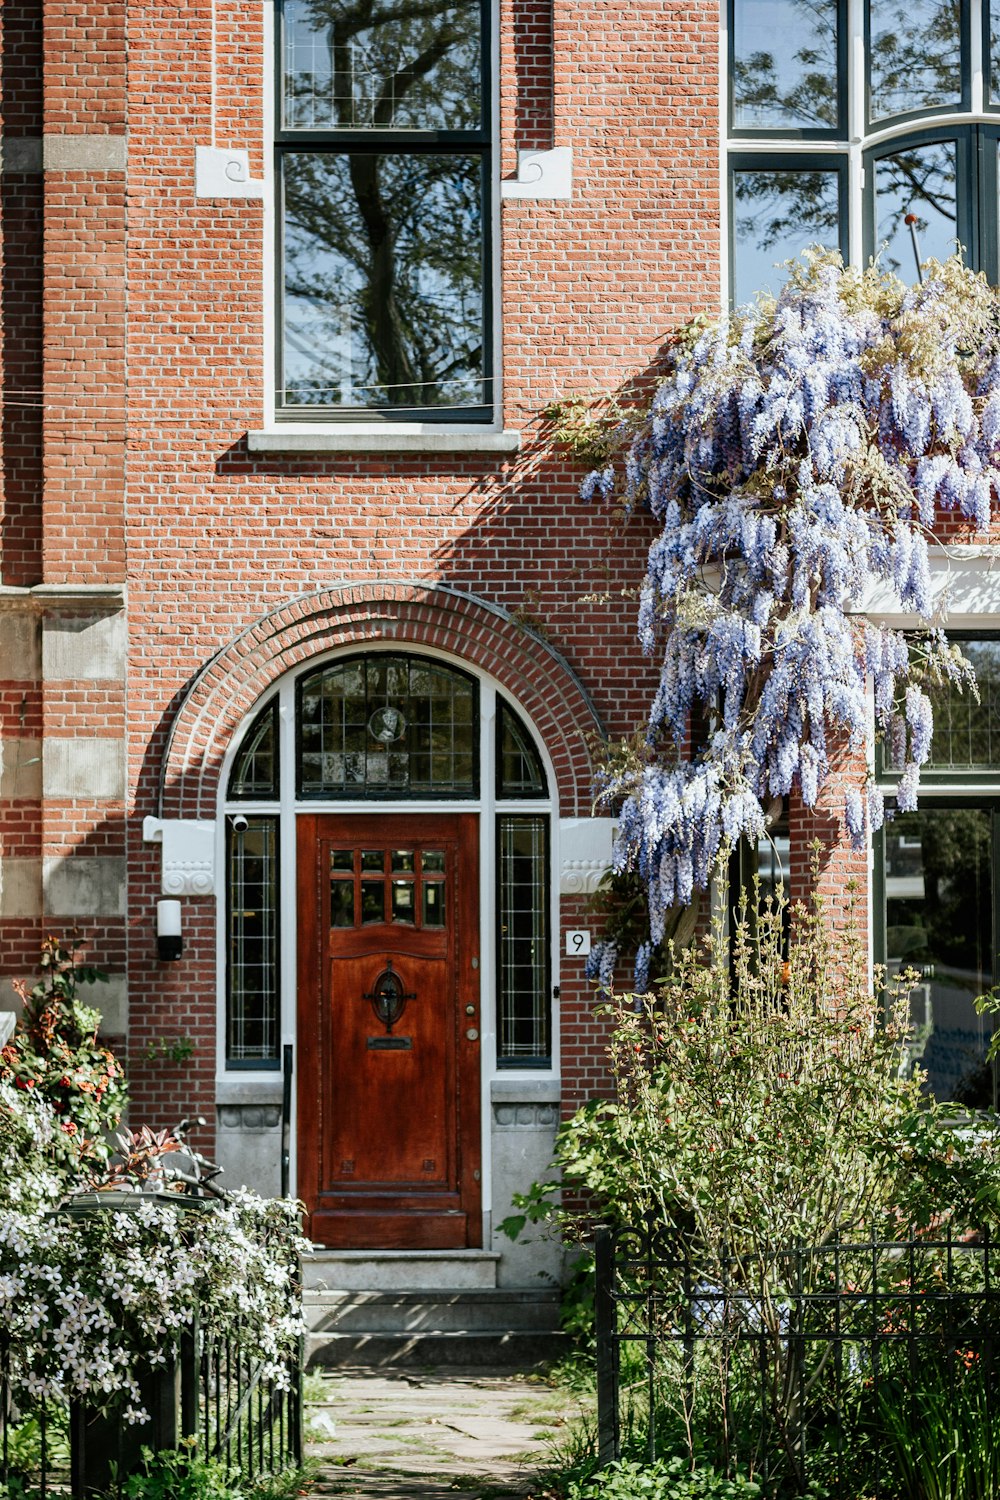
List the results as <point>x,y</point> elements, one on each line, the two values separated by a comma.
<point>188,867</point>
<point>541,174</point>
<point>224,173</point>
<point>584,854</point>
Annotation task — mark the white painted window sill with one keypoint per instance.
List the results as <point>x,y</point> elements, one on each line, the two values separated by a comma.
<point>300,439</point>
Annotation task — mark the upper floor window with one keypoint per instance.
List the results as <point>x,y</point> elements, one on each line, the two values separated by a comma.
<point>877,140</point>
<point>384,171</point>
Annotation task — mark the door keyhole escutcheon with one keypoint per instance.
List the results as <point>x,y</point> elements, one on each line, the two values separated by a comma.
<point>387,998</point>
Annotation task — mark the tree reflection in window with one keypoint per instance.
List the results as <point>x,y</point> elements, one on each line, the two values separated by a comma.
<point>912,61</point>
<point>915,56</point>
<point>939,922</point>
<point>384,241</point>
<point>793,85</point>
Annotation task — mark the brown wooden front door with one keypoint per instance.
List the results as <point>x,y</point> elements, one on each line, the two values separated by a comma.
<point>388,1027</point>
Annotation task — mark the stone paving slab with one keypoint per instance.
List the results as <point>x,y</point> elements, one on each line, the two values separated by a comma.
<point>432,1435</point>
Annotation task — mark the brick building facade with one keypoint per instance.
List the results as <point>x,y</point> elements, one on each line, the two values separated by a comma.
<point>210,557</point>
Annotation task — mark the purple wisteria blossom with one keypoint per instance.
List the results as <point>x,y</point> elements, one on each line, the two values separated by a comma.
<point>797,455</point>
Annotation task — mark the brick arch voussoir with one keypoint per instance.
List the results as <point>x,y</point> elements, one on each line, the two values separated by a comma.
<point>476,634</point>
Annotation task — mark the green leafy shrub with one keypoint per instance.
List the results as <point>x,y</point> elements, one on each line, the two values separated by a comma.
<point>55,1054</point>
<point>666,1479</point>
<point>763,1102</point>
<point>182,1474</point>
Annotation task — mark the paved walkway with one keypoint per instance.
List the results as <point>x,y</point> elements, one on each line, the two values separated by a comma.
<point>432,1435</point>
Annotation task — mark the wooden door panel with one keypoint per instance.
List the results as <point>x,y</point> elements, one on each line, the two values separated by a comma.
<point>388,1094</point>
<point>399,1090</point>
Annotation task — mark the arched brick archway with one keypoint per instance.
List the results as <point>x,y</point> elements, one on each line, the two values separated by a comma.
<point>411,614</point>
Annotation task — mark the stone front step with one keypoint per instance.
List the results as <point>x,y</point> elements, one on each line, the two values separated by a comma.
<point>520,1350</point>
<point>399,1270</point>
<point>453,1311</point>
<point>383,1307</point>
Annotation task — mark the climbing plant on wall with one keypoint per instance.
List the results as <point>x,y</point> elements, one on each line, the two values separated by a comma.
<point>797,452</point>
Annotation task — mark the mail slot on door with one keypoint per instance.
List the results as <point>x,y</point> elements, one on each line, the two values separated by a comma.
<point>390,1043</point>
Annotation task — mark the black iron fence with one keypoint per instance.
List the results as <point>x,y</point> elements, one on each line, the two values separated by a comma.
<point>242,1408</point>
<point>844,1369</point>
<point>249,1411</point>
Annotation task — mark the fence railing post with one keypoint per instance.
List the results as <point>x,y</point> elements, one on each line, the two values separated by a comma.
<point>189,1359</point>
<point>606,1321</point>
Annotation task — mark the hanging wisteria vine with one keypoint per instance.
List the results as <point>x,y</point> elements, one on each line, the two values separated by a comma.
<point>799,451</point>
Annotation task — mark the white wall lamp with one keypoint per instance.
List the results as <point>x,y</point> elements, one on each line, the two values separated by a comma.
<point>169,943</point>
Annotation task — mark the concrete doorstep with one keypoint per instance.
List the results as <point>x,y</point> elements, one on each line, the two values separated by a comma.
<point>405,1434</point>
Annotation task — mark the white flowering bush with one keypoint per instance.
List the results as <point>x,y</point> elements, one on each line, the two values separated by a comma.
<point>797,452</point>
<point>90,1301</point>
<point>31,1171</point>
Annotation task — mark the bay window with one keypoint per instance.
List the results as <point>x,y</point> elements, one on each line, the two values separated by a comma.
<point>872,129</point>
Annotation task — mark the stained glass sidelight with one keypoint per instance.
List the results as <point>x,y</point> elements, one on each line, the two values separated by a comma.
<point>524,1021</point>
<point>388,726</point>
<point>252,971</point>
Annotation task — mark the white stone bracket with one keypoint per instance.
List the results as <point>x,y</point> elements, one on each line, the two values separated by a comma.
<point>584,854</point>
<point>224,173</point>
<point>188,867</point>
<point>541,174</point>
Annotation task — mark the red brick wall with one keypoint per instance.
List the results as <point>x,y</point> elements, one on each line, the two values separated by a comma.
<point>155,297</point>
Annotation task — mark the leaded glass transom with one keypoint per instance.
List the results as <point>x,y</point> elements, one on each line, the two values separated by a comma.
<point>519,765</point>
<point>255,772</point>
<point>388,726</point>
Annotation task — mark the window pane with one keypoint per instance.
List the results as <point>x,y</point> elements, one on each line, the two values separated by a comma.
<point>372,901</point>
<point>785,59</point>
<point>407,67</point>
<point>342,903</point>
<point>916,55</point>
<point>413,725</point>
<point>434,904</point>
<point>995,52</point>
<point>255,772</point>
<point>402,901</point>
<point>519,766</point>
<point>252,1020</point>
<point>778,212</point>
<point>919,181</point>
<point>967,733</point>
<point>524,1019</point>
<point>939,921</point>
<point>383,280</point>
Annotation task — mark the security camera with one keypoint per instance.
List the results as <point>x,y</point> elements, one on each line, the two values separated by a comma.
<point>240,824</point>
